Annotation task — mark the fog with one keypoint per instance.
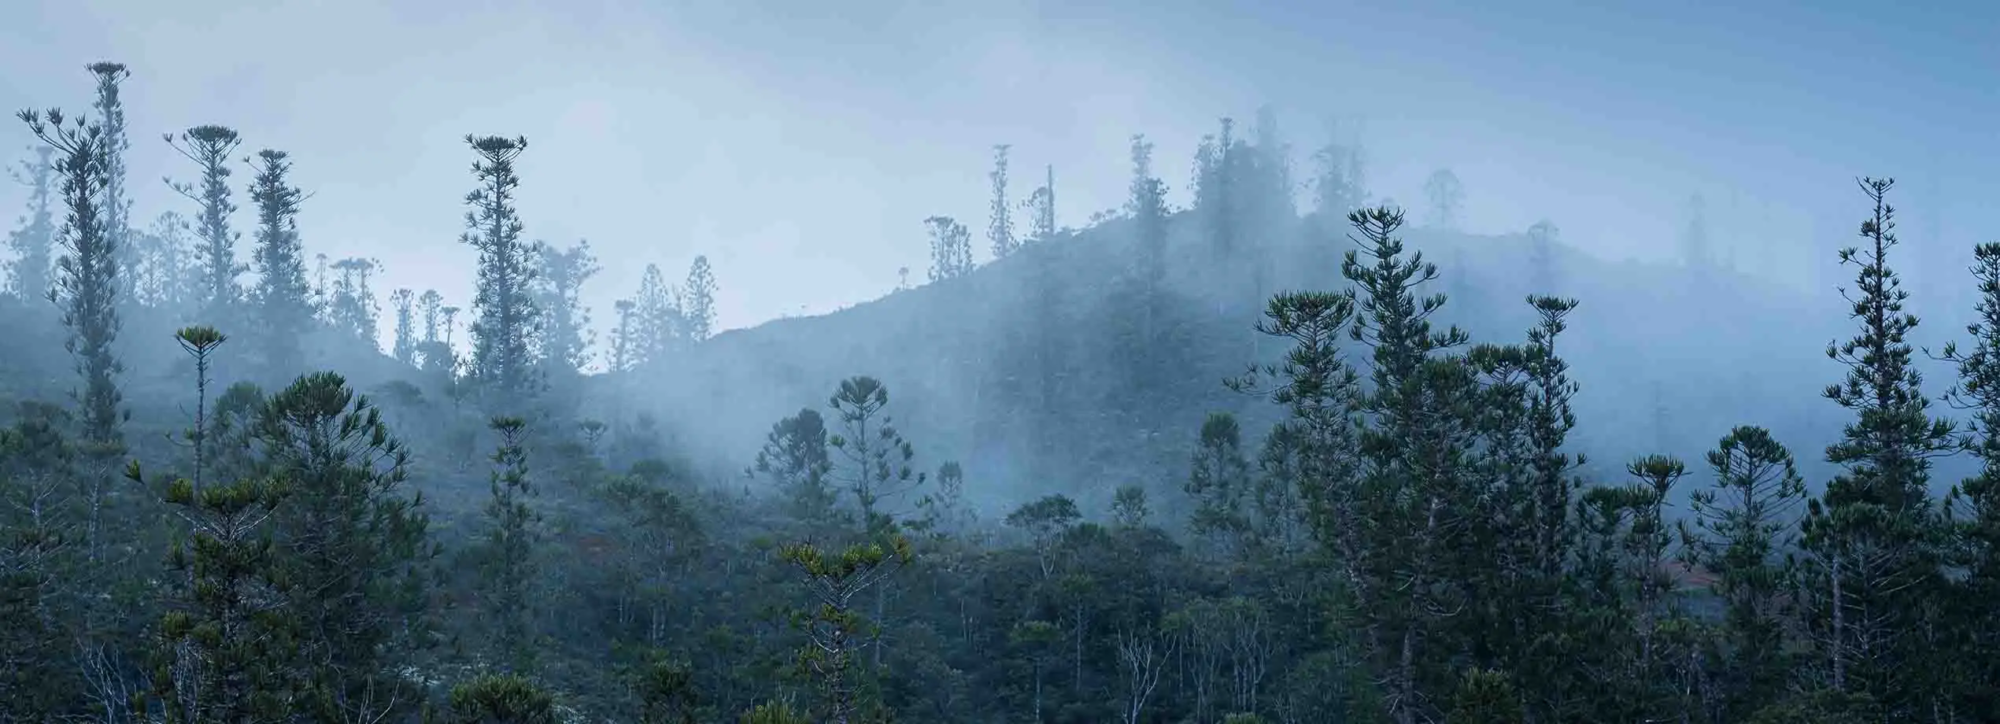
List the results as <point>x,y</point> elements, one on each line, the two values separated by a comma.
<point>1697,162</point>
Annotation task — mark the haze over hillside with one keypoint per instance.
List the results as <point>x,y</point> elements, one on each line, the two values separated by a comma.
<point>770,362</point>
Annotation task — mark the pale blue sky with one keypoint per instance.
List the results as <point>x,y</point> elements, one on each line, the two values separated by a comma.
<point>799,144</point>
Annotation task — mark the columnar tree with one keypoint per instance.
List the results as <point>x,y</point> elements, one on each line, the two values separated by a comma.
<point>660,324</point>
<point>504,331</point>
<point>1147,205</point>
<point>697,301</point>
<point>1419,497</point>
<point>559,283</point>
<point>1218,201</point>
<point>1338,185</point>
<point>951,248</point>
<point>220,652</point>
<point>624,345</point>
<point>1041,206</point>
<point>1447,197</point>
<point>165,277</point>
<point>86,285</point>
<point>1000,229</point>
<point>1974,505</point>
<point>508,551</point>
<point>209,148</point>
<point>1871,564</point>
<point>351,307</point>
<point>281,299</point>
<point>117,207</point>
<point>404,348</point>
<point>34,242</point>
<point>1542,256</point>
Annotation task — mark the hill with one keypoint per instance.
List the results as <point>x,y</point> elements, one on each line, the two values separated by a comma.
<point>1669,357</point>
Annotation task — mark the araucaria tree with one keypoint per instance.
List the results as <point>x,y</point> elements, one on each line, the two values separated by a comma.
<point>1000,230</point>
<point>697,301</point>
<point>1447,196</point>
<point>34,242</point>
<point>353,541</point>
<point>209,148</point>
<point>1871,563</point>
<point>117,208</point>
<point>509,548</point>
<point>504,330</point>
<point>86,285</point>
<point>951,248</point>
<point>566,334</point>
<point>282,300</point>
<point>404,349</point>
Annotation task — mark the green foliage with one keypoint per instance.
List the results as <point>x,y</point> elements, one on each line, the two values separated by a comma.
<point>834,630</point>
<point>773,713</point>
<point>209,147</point>
<point>34,243</point>
<point>86,284</point>
<point>951,248</point>
<point>508,548</point>
<point>501,699</point>
<point>355,545</point>
<point>281,300</point>
<point>559,280</point>
<point>507,316</point>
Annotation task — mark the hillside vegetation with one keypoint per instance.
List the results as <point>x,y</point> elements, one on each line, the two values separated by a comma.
<point>1219,464</point>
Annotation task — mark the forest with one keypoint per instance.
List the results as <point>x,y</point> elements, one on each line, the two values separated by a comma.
<point>1237,462</point>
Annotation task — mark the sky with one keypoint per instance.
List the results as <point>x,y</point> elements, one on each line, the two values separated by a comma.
<point>799,145</point>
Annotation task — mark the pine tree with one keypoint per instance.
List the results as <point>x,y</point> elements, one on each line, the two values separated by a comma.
<point>509,544</point>
<point>1447,197</point>
<point>37,551</point>
<point>876,468</point>
<point>1420,513</point>
<point>209,147</point>
<point>33,243</point>
<point>117,207</point>
<point>1870,562</point>
<point>86,285</point>
<point>834,629</point>
<point>404,349</point>
<point>354,543</point>
<point>1542,256</point>
<point>660,325</point>
<point>506,325</point>
<point>501,699</point>
<point>1973,506</point>
<point>1148,209</point>
<point>1740,528</point>
<point>1000,229</point>
<point>624,346</point>
<point>697,301</point>
<point>283,304</point>
<point>1219,485</point>
<point>221,645</point>
<point>566,335</point>
<point>165,277</point>
<point>1338,186</point>
<point>351,306</point>
<point>1217,200</point>
<point>1041,207</point>
<point>795,460</point>
<point>951,248</point>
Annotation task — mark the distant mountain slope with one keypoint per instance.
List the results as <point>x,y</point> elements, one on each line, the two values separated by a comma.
<point>1669,359</point>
